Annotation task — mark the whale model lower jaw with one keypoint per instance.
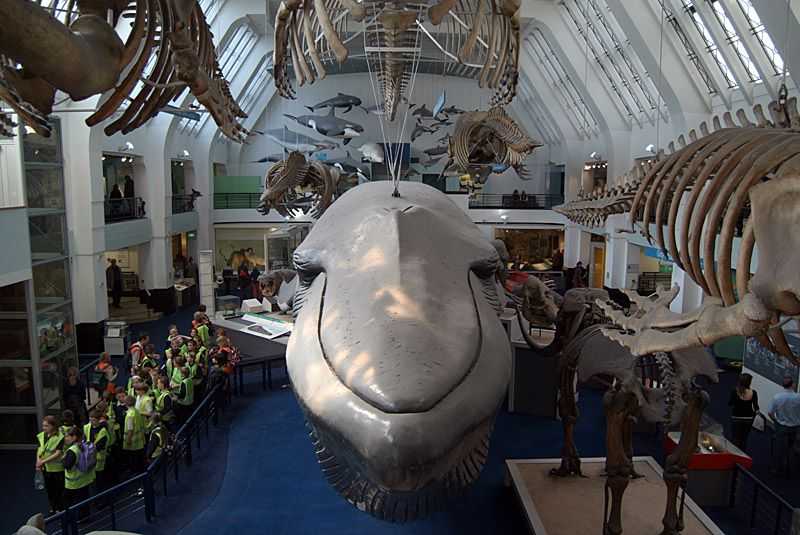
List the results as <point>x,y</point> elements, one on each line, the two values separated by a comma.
<point>345,472</point>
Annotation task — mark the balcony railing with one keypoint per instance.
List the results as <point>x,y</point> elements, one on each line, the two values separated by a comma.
<point>509,201</point>
<point>236,201</point>
<point>124,209</point>
<point>183,203</point>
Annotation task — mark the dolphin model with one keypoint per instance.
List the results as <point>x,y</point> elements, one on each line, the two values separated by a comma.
<point>436,151</point>
<point>372,152</point>
<point>422,112</point>
<point>329,125</point>
<point>376,109</point>
<point>339,101</point>
<point>397,358</point>
<point>420,129</point>
<point>295,142</point>
<point>453,110</point>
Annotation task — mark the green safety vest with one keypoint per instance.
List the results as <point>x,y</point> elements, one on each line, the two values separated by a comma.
<point>137,442</point>
<point>75,479</point>
<point>160,397</point>
<point>201,355</point>
<point>159,434</point>
<point>64,429</point>
<point>176,376</point>
<point>47,448</point>
<point>189,399</point>
<point>101,453</point>
<point>129,388</point>
<point>147,362</point>
<point>168,365</point>
<point>196,374</point>
<point>202,332</point>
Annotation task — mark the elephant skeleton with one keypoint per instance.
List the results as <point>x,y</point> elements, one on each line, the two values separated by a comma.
<point>669,396</point>
<point>170,47</point>
<point>483,41</point>
<point>297,186</point>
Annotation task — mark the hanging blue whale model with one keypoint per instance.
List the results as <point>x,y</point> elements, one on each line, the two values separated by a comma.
<point>330,125</point>
<point>398,358</point>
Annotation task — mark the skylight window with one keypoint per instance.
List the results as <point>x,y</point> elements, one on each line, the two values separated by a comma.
<point>761,34</point>
<point>564,88</point>
<point>691,53</point>
<point>711,45</point>
<point>735,41</point>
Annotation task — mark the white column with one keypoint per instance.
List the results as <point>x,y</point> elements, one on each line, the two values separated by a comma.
<point>691,294</point>
<point>206,283</point>
<point>577,246</point>
<point>616,268</point>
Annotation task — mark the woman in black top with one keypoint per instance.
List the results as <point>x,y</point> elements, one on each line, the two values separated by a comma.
<point>744,407</point>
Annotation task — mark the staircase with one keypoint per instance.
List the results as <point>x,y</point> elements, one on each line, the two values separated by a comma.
<point>132,311</point>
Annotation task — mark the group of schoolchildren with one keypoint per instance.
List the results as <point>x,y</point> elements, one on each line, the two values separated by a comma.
<point>130,427</point>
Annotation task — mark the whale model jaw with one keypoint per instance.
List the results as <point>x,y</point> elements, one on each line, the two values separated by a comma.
<point>398,358</point>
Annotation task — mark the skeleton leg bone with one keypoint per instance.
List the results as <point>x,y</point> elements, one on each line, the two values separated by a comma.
<point>620,405</point>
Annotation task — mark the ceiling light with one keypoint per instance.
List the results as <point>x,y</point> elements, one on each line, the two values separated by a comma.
<point>504,217</point>
<point>185,153</point>
<point>594,155</point>
<point>650,148</point>
<point>274,229</point>
<point>127,147</point>
<point>29,130</point>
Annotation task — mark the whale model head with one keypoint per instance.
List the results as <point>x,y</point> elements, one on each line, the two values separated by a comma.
<point>398,358</point>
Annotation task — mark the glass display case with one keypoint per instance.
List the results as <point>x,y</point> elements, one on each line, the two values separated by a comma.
<point>51,285</point>
<point>55,332</point>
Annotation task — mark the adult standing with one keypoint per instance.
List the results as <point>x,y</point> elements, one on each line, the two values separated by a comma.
<point>579,276</point>
<point>127,187</point>
<point>137,349</point>
<point>785,412</point>
<point>74,395</point>
<point>744,407</point>
<point>114,282</point>
<point>48,461</point>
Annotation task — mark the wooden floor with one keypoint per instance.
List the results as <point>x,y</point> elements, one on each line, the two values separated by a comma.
<point>574,506</point>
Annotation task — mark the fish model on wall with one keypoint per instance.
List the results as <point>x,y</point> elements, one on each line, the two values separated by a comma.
<point>295,142</point>
<point>348,102</point>
<point>330,125</point>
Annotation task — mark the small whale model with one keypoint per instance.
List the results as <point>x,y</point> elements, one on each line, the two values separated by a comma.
<point>452,110</point>
<point>422,112</point>
<point>293,141</point>
<point>377,109</point>
<point>330,125</point>
<point>339,101</point>
<point>420,129</point>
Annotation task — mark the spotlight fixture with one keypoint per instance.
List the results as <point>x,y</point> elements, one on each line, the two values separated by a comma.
<point>127,147</point>
<point>185,154</point>
<point>594,155</point>
<point>650,148</point>
<point>504,217</point>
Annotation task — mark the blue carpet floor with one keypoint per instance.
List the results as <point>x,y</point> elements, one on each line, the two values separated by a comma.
<point>258,474</point>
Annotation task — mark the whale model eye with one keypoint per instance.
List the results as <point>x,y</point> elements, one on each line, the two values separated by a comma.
<point>486,267</point>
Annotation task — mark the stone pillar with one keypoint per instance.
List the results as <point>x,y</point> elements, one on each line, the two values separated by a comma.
<point>691,294</point>
<point>577,246</point>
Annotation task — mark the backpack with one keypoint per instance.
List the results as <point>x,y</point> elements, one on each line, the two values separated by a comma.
<point>87,458</point>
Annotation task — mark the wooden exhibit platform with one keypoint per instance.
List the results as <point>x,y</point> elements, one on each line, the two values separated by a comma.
<point>574,506</point>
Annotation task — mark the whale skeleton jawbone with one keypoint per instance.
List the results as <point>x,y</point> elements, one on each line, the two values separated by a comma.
<point>349,480</point>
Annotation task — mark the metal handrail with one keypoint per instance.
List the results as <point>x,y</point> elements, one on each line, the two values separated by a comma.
<point>183,203</point>
<point>67,520</point>
<point>758,488</point>
<point>538,201</point>
<point>125,209</point>
<point>236,201</point>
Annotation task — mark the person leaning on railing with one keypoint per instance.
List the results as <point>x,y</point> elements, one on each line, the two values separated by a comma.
<point>185,401</point>
<point>48,461</point>
<point>163,401</point>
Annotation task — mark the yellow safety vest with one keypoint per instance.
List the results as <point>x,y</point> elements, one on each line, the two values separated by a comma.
<point>189,398</point>
<point>47,448</point>
<point>112,426</point>
<point>137,442</point>
<point>101,453</point>
<point>160,435</point>
<point>160,397</point>
<point>75,479</point>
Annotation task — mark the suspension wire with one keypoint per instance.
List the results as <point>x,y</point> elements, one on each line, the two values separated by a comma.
<point>660,80</point>
<point>786,42</point>
<point>585,67</point>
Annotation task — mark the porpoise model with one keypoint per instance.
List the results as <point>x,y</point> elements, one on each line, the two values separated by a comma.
<point>435,151</point>
<point>330,125</point>
<point>376,109</point>
<point>372,152</point>
<point>420,129</point>
<point>422,112</point>
<point>339,101</point>
<point>398,358</point>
